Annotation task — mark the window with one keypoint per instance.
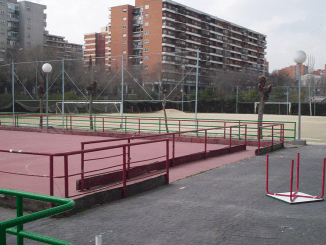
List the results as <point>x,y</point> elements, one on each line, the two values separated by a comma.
<point>28,35</point>
<point>146,58</point>
<point>28,17</point>
<point>146,23</point>
<point>146,6</point>
<point>124,44</point>
<point>146,67</point>
<point>2,12</point>
<point>124,27</point>
<point>146,15</point>
<point>146,32</point>
<point>124,52</point>
<point>124,18</point>
<point>28,44</point>
<point>146,41</point>
<point>124,35</point>
<point>146,50</point>
<point>124,10</point>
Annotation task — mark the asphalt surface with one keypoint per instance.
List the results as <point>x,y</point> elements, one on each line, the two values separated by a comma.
<point>226,205</point>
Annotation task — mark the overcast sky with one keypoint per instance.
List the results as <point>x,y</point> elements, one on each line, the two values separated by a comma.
<point>290,25</point>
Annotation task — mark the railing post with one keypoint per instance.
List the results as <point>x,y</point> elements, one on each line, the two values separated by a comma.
<point>124,174</point>
<point>224,129</point>
<point>103,123</point>
<point>19,207</point>
<point>51,179</point>
<point>167,164</point>
<point>267,174</point>
<point>125,124</point>
<point>272,138</point>
<point>258,138</point>
<point>239,130</point>
<point>70,123</point>
<point>82,169</point>
<point>3,236</point>
<point>66,176</point>
<point>129,155</point>
<point>179,127</point>
<point>173,149</point>
<point>16,121</point>
<point>246,135</point>
<point>230,137</point>
<point>41,119</point>
<point>205,143</point>
<point>139,126</point>
<point>66,122</point>
<point>159,126</point>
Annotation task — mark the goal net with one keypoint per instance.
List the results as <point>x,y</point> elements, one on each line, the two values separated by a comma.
<point>77,107</point>
<point>288,105</point>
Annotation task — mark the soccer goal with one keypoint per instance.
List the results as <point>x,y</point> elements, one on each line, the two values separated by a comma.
<point>77,107</point>
<point>288,104</point>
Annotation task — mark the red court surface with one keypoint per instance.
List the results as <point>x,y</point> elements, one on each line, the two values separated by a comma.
<point>38,166</point>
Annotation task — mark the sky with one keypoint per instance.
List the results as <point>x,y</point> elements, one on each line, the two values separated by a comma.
<point>290,25</point>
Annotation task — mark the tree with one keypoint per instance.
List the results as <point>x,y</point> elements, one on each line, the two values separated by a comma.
<point>164,104</point>
<point>92,89</point>
<point>264,94</point>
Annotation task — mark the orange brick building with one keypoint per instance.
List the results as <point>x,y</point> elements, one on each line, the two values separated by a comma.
<point>293,71</point>
<point>165,35</point>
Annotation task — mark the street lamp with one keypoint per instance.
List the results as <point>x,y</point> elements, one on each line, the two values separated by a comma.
<point>182,99</point>
<point>299,58</point>
<point>47,68</point>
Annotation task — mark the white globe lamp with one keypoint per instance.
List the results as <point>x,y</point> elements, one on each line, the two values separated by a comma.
<point>47,68</point>
<point>299,58</point>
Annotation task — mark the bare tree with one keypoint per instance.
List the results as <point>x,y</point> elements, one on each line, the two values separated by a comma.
<point>92,89</point>
<point>164,104</point>
<point>264,94</point>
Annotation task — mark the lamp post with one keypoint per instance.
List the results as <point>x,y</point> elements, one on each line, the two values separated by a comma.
<point>13,87</point>
<point>47,68</point>
<point>299,58</point>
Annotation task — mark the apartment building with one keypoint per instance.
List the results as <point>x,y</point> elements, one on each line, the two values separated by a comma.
<point>59,48</point>
<point>165,35</point>
<point>97,47</point>
<point>293,71</point>
<point>22,25</point>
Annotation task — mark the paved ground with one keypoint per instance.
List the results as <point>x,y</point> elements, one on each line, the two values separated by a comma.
<point>226,205</point>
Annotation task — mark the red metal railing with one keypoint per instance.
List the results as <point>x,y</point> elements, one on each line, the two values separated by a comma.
<point>66,166</point>
<point>273,136</point>
<point>293,195</point>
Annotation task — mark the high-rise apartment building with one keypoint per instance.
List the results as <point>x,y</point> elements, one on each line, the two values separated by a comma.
<point>97,47</point>
<point>165,35</point>
<point>22,25</point>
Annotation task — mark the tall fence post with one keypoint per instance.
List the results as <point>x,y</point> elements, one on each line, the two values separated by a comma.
<point>139,126</point>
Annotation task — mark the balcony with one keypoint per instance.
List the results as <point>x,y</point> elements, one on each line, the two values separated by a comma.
<point>137,47</point>
<point>11,19</point>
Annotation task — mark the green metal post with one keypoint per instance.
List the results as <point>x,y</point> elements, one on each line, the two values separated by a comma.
<point>125,124</point>
<point>19,206</point>
<point>295,130</point>
<point>239,130</point>
<point>2,236</point>
<point>159,126</point>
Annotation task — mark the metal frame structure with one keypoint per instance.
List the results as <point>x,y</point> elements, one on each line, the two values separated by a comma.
<point>296,196</point>
<point>20,220</point>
